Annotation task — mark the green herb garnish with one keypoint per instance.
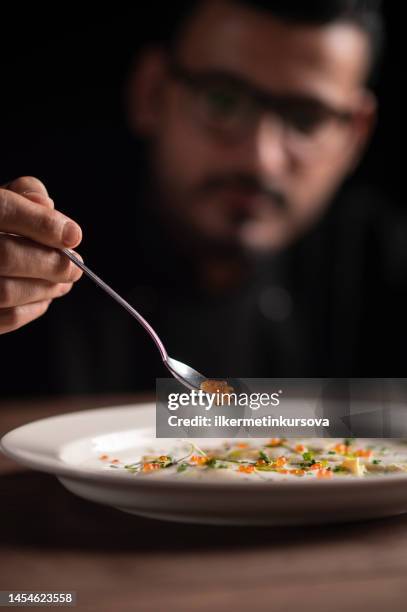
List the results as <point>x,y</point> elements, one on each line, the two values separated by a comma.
<point>308,456</point>
<point>133,467</point>
<point>182,467</point>
<point>269,467</point>
<point>166,462</point>
<point>309,460</point>
<point>215,464</point>
<point>264,456</point>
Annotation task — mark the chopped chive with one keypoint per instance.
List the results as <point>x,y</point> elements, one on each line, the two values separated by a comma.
<point>264,456</point>
<point>182,467</point>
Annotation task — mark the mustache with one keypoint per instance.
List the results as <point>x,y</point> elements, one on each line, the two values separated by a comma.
<point>246,183</point>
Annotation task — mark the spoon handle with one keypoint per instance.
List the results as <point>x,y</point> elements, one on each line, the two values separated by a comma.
<point>120,300</point>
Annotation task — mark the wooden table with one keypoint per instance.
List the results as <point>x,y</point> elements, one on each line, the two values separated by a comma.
<point>52,540</point>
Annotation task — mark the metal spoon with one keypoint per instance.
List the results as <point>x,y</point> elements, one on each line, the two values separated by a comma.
<point>182,372</point>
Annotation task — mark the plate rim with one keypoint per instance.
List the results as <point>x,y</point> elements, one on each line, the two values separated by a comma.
<point>61,470</point>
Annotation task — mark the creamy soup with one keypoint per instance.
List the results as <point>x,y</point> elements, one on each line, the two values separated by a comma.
<point>274,459</point>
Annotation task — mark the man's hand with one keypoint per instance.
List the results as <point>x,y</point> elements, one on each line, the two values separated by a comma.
<point>32,270</point>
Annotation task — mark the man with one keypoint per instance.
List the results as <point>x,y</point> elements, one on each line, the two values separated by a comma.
<point>254,114</point>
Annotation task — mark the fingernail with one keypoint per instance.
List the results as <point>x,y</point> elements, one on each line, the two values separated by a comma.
<point>71,234</point>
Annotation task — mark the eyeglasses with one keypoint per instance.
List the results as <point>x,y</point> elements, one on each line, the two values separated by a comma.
<point>230,107</point>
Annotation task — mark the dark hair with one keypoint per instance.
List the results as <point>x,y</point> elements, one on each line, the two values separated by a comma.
<point>365,14</point>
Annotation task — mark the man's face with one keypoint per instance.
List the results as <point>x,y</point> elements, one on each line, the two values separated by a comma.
<point>254,123</point>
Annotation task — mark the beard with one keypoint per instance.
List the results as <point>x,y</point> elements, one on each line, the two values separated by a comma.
<point>232,214</point>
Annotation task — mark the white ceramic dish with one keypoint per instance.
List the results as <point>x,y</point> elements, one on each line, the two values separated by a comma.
<point>69,447</point>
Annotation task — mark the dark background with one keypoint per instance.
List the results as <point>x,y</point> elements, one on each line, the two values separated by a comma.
<point>63,70</point>
<point>63,120</point>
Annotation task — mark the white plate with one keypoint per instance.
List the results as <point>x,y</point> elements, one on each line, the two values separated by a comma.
<point>69,447</point>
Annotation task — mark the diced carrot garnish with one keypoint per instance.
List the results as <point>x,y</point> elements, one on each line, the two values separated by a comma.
<point>297,472</point>
<point>281,471</point>
<point>364,452</point>
<point>300,448</point>
<point>199,459</point>
<point>104,457</point>
<point>247,469</point>
<point>149,467</point>
<point>275,442</point>
<point>115,461</point>
<point>324,473</point>
<point>261,462</point>
<point>342,449</point>
<point>242,445</point>
<point>280,461</point>
<point>316,466</point>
